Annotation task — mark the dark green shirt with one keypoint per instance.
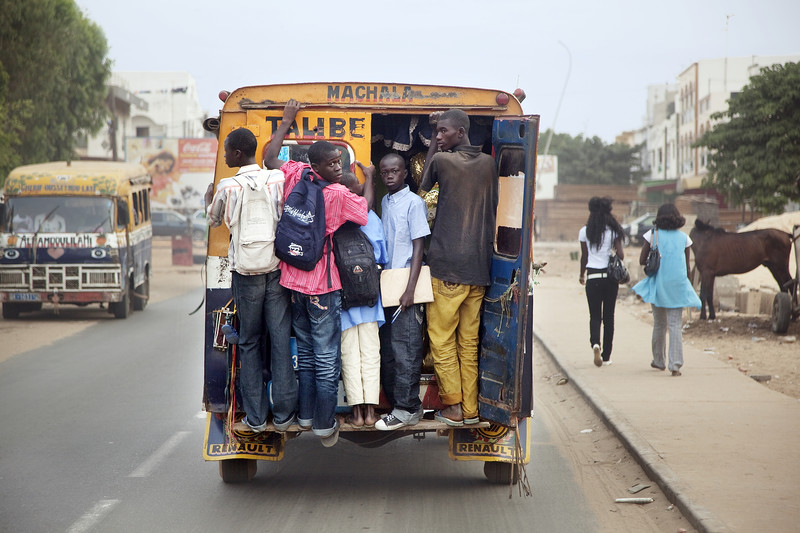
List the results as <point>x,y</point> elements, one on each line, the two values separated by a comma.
<point>462,239</point>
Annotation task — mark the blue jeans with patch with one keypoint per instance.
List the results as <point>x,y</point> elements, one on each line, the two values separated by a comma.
<point>318,330</point>
<point>401,360</point>
<point>262,307</point>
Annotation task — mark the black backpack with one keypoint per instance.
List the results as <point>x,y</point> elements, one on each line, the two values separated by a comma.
<point>355,261</point>
<point>300,234</point>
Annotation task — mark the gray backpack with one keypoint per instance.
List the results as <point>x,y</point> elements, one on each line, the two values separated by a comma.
<point>253,223</point>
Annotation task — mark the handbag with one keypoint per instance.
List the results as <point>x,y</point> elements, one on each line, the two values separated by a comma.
<point>617,270</point>
<point>653,260</point>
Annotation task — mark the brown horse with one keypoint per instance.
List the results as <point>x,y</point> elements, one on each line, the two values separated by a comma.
<point>719,253</point>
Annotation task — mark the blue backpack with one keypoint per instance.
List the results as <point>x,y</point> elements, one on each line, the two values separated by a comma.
<point>300,236</point>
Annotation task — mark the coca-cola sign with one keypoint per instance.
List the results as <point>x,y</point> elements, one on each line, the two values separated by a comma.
<point>197,155</point>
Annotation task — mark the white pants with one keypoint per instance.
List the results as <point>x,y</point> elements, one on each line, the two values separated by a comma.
<point>361,364</point>
<point>668,319</point>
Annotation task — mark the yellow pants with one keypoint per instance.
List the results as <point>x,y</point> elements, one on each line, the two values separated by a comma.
<point>453,323</point>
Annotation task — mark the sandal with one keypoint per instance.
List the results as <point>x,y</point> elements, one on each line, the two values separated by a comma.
<point>349,420</point>
<point>441,418</point>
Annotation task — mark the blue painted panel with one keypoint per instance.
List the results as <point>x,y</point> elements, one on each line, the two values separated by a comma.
<point>505,366</point>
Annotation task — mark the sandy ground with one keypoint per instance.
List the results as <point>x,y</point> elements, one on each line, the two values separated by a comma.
<point>745,342</point>
<point>34,330</point>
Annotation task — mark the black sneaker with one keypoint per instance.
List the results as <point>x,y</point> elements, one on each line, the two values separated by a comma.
<point>389,423</point>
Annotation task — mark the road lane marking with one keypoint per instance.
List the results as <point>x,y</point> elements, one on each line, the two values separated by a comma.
<point>159,455</point>
<point>93,516</point>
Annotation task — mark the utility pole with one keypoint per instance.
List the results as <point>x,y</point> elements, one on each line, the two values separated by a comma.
<point>725,79</point>
<point>560,99</point>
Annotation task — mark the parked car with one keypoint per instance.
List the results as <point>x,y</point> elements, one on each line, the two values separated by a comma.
<point>169,223</point>
<point>199,225</point>
<point>635,230</point>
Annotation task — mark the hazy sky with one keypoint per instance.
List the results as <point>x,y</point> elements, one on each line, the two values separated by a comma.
<point>618,47</point>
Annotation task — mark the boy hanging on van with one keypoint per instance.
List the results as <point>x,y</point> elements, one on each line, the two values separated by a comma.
<point>361,354</point>
<point>460,256</point>
<point>405,223</point>
<point>250,204</point>
<point>316,294</point>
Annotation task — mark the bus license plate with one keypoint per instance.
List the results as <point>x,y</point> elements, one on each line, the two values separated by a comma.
<point>24,297</point>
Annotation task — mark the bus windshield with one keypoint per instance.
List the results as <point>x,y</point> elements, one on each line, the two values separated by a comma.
<point>58,214</point>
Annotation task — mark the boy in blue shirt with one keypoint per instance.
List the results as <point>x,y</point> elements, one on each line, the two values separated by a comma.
<point>405,224</point>
<point>361,357</point>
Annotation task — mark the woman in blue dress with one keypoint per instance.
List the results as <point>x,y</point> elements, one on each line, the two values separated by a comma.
<point>669,290</point>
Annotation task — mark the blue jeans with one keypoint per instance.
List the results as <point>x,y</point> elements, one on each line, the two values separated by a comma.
<point>262,307</point>
<point>317,327</point>
<point>401,360</point>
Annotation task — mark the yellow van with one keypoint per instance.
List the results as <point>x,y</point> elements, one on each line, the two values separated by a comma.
<point>76,233</point>
<point>367,121</point>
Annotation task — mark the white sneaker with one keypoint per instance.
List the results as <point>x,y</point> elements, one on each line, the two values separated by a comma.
<point>606,363</point>
<point>598,359</point>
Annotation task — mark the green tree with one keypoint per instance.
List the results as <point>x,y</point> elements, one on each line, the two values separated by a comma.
<point>754,155</point>
<point>587,161</point>
<point>53,73</point>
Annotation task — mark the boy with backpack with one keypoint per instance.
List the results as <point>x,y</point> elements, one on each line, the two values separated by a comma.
<point>250,204</point>
<point>315,293</point>
<point>362,312</point>
<point>405,223</point>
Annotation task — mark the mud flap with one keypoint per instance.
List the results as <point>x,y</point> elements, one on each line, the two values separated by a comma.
<point>266,446</point>
<point>495,443</point>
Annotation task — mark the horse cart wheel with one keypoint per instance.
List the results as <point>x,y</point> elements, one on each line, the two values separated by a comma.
<point>237,470</point>
<point>781,312</point>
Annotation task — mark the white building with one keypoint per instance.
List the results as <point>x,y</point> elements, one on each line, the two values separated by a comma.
<point>146,104</point>
<point>109,143</point>
<point>679,114</point>
<point>173,105</point>
<point>660,154</point>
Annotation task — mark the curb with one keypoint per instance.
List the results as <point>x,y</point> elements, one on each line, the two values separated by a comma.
<point>653,465</point>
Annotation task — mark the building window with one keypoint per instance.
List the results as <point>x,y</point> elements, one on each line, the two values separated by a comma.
<point>143,131</point>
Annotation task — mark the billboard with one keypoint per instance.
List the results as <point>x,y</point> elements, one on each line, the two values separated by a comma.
<point>181,168</point>
<point>546,176</point>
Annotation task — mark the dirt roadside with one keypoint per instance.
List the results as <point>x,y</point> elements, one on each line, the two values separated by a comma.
<point>34,330</point>
<point>604,468</point>
<point>745,342</point>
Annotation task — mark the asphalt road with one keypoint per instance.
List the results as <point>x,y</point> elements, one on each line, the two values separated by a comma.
<point>103,431</point>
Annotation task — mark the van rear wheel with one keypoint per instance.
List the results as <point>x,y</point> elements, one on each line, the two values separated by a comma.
<point>237,470</point>
<point>499,473</point>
